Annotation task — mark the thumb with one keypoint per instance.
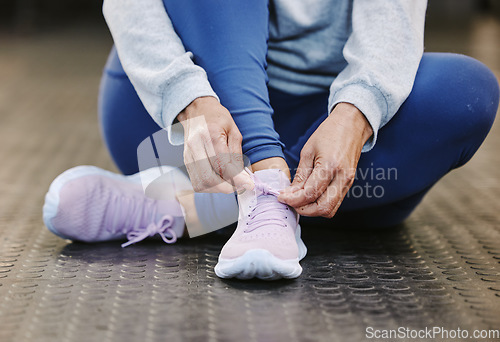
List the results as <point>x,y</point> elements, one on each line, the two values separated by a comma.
<point>304,170</point>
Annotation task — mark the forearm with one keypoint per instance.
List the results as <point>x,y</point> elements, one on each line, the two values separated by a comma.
<point>154,58</point>
<point>352,120</point>
<point>383,54</point>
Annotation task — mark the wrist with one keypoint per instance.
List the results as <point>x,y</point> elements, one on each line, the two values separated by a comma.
<point>350,117</point>
<point>195,107</point>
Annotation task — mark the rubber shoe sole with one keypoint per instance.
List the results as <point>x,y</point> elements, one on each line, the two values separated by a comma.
<point>262,264</point>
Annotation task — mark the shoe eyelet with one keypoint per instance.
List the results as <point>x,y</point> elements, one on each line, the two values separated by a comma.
<point>286,217</point>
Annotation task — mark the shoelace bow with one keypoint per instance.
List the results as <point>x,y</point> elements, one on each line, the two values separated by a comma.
<point>135,213</point>
<point>257,217</point>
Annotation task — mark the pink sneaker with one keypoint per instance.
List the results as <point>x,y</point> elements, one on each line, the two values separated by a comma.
<point>90,204</point>
<point>266,243</point>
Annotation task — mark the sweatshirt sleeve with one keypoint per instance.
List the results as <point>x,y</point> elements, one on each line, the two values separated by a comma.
<point>382,53</point>
<point>153,57</point>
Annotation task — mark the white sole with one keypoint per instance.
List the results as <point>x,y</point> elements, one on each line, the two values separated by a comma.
<point>51,204</point>
<point>262,264</point>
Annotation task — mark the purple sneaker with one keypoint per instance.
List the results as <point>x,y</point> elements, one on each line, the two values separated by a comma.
<point>266,243</point>
<point>90,204</point>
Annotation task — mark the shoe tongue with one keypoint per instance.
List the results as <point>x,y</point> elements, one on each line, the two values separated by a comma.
<point>275,178</point>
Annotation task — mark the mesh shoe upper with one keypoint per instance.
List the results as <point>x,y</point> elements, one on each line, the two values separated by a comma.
<point>100,206</point>
<point>265,223</point>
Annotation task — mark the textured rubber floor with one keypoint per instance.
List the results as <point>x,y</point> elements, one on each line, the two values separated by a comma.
<point>440,269</point>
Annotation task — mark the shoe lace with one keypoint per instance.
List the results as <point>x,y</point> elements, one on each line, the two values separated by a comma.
<point>137,212</point>
<point>266,203</point>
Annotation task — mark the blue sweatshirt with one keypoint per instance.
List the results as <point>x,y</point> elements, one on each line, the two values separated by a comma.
<point>364,52</point>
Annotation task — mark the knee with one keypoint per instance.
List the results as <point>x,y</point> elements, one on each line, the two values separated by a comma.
<point>479,95</point>
<point>463,94</point>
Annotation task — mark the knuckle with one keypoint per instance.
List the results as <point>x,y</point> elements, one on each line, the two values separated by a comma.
<point>294,198</point>
<point>217,162</point>
<point>299,177</point>
<point>237,160</point>
<point>305,153</point>
<point>324,211</point>
<point>311,193</point>
<point>320,163</point>
<point>299,174</point>
<point>205,181</point>
<point>334,165</point>
<point>197,187</point>
<point>221,137</point>
<point>308,197</point>
<point>350,175</point>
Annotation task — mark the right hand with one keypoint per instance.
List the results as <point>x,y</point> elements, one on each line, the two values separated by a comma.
<point>212,147</point>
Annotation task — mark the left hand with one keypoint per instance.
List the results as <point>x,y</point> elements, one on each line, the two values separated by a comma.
<point>328,163</point>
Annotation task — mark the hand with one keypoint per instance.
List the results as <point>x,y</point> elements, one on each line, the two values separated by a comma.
<point>328,161</point>
<point>212,147</point>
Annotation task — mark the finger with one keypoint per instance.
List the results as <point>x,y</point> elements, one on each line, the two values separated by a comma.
<point>315,185</point>
<point>236,154</point>
<point>202,175</point>
<point>223,162</point>
<point>292,195</point>
<point>234,141</point>
<point>208,181</point>
<point>304,170</point>
<point>241,179</point>
<point>288,195</point>
<point>223,187</point>
<point>228,161</point>
<point>329,202</point>
<point>197,150</point>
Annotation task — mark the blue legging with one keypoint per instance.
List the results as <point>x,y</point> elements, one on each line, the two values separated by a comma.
<point>439,127</point>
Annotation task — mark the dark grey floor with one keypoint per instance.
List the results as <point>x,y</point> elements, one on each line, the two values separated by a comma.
<point>441,269</point>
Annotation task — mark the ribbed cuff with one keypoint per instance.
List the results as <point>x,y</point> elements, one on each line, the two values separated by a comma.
<point>183,90</point>
<point>263,152</point>
<point>369,100</point>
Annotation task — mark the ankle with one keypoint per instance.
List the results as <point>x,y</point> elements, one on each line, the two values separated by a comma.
<point>272,163</point>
